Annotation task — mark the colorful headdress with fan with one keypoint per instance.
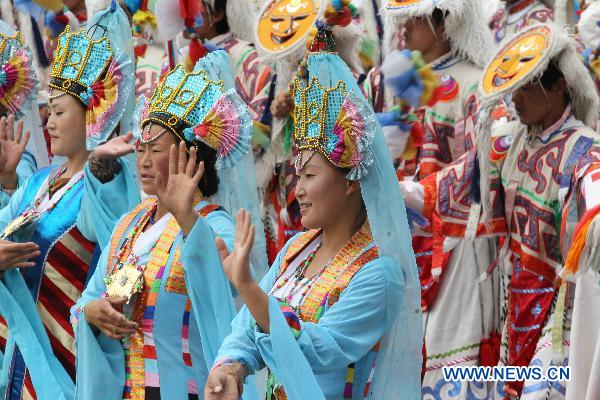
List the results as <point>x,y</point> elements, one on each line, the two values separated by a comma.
<point>18,83</point>
<point>331,120</point>
<point>203,106</point>
<point>198,109</point>
<point>96,72</point>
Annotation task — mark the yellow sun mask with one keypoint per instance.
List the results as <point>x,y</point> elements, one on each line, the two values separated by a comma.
<point>514,64</point>
<point>402,3</point>
<point>283,24</point>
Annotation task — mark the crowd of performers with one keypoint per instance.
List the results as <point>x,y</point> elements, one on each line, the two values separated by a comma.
<point>298,199</point>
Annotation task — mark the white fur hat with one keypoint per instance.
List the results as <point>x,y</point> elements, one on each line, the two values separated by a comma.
<point>465,24</point>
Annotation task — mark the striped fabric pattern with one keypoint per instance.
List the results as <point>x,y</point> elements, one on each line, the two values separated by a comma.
<point>65,274</point>
<point>185,347</point>
<point>3,335</point>
<point>151,366</point>
<point>142,379</point>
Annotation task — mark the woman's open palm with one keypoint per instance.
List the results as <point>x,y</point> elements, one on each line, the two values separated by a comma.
<point>12,144</point>
<point>237,263</point>
<point>176,192</point>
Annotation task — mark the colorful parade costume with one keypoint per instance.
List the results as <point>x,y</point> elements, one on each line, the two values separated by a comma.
<point>509,20</point>
<point>284,33</point>
<point>582,262</point>
<point>447,266</point>
<point>322,349</point>
<point>70,226</point>
<point>180,278</point>
<point>529,180</point>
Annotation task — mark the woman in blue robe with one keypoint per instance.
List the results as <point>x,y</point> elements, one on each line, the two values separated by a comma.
<point>144,323</point>
<point>56,223</point>
<point>338,314</point>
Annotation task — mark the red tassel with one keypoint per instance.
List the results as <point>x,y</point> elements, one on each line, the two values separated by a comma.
<point>197,51</point>
<point>489,350</point>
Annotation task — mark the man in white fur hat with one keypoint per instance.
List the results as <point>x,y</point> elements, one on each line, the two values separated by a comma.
<point>583,260</point>
<point>460,315</point>
<point>526,181</point>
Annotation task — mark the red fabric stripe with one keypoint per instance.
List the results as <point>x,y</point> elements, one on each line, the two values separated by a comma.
<point>2,338</point>
<point>187,359</point>
<point>66,358</point>
<point>89,246</point>
<point>53,299</point>
<point>68,265</point>
<point>57,297</point>
<point>29,385</point>
<point>149,352</point>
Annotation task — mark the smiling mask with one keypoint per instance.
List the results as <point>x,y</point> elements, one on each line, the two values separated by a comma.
<point>283,25</point>
<point>515,64</point>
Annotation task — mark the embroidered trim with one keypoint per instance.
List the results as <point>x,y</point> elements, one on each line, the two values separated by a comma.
<point>291,318</point>
<point>146,301</point>
<point>326,291</point>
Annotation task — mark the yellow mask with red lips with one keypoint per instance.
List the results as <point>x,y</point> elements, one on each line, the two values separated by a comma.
<point>402,3</point>
<point>283,24</point>
<point>512,66</point>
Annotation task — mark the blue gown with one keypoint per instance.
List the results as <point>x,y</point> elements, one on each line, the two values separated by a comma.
<point>339,335</point>
<point>179,325</point>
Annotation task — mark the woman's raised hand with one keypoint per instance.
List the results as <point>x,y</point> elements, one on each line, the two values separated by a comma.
<point>116,147</point>
<point>176,192</point>
<point>237,263</point>
<point>12,146</point>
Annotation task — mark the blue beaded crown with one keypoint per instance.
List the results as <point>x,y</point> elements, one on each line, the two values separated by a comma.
<point>198,109</point>
<point>332,121</point>
<point>99,73</point>
<point>183,99</point>
<point>9,45</point>
<point>79,63</point>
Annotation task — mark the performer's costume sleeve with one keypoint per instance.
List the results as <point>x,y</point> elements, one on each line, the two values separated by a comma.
<point>27,167</point>
<point>101,359</point>
<point>448,199</point>
<point>104,203</point>
<point>202,264</point>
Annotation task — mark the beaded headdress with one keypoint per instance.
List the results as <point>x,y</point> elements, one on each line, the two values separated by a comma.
<point>99,75</point>
<point>331,120</point>
<point>203,106</point>
<point>18,83</point>
<point>197,109</point>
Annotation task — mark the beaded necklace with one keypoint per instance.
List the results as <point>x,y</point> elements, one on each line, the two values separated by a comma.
<point>300,283</point>
<point>126,277</point>
<point>33,213</point>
